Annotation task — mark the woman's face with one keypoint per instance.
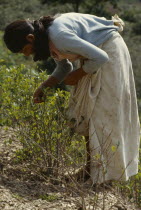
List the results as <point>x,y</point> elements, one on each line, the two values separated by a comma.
<point>28,49</point>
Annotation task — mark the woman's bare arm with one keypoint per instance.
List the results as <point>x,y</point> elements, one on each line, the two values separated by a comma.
<point>74,77</point>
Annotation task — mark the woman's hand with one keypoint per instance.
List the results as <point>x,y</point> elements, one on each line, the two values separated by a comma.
<point>74,77</point>
<point>39,95</point>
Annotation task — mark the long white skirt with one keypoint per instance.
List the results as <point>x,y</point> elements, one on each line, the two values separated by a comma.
<point>103,106</point>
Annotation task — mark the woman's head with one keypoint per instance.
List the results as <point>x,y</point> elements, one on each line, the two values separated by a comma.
<point>22,33</point>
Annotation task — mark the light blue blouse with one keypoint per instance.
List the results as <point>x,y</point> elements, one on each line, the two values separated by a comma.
<point>80,34</point>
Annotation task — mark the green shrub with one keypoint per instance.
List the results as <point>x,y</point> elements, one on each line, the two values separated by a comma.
<point>42,128</point>
<point>49,148</point>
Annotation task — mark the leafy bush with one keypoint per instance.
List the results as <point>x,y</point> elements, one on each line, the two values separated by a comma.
<point>49,148</point>
<point>42,128</point>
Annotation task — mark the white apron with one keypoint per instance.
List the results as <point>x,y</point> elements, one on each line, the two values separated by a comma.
<point>103,106</point>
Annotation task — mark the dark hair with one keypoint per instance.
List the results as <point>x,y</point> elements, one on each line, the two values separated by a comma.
<point>16,32</point>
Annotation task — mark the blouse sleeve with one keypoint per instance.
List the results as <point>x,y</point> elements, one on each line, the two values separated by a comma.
<point>63,68</point>
<point>69,42</point>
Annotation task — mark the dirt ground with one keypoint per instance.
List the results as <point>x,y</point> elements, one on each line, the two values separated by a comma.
<point>22,190</point>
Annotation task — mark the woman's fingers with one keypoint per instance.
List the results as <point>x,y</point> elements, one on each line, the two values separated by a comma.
<point>38,96</point>
<point>37,100</point>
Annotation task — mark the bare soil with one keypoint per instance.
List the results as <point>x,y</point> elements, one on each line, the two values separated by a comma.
<point>22,189</point>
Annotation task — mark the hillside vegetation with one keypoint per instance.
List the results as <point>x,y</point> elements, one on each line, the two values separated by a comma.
<point>39,152</point>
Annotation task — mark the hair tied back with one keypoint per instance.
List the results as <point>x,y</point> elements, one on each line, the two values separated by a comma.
<point>46,21</point>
